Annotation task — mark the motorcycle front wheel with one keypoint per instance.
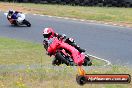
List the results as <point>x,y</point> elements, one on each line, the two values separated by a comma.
<point>56,62</point>
<point>61,57</point>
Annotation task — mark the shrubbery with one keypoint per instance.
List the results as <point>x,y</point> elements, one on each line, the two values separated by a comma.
<point>108,3</point>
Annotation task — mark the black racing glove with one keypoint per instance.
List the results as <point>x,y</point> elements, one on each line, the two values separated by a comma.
<point>45,43</point>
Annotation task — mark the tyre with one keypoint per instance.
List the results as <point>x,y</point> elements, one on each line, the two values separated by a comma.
<point>15,23</point>
<point>56,62</point>
<point>62,58</point>
<point>26,23</point>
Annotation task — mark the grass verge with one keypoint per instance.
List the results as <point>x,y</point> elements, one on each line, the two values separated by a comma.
<point>57,77</point>
<point>14,52</point>
<point>121,16</point>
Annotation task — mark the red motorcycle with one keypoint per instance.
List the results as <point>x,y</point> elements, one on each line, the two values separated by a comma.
<point>65,53</point>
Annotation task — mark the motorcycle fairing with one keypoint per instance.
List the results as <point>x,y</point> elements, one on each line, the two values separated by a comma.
<point>75,54</point>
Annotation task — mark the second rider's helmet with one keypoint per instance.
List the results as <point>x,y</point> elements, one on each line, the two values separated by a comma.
<point>10,12</point>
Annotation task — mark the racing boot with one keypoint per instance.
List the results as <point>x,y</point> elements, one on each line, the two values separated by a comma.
<point>79,49</point>
<point>72,43</point>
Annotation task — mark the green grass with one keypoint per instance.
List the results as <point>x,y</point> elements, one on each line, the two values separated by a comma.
<point>89,13</point>
<point>57,78</point>
<point>20,52</point>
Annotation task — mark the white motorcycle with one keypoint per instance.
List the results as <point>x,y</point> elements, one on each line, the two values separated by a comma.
<point>19,21</point>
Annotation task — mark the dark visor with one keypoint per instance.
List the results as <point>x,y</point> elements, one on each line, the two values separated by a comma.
<point>47,35</point>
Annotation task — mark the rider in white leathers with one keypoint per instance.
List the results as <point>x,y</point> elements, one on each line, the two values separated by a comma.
<point>18,16</point>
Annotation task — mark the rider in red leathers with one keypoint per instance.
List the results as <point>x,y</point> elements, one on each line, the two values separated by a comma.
<point>49,33</point>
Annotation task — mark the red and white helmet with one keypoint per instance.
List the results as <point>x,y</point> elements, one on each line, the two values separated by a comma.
<point>48,33</point>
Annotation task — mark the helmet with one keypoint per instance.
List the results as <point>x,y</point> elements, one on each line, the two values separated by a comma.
<point>48,32</point>
<point>10,12</point>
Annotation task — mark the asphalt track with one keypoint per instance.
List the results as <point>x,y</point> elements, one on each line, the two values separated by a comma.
<point>112,43</point>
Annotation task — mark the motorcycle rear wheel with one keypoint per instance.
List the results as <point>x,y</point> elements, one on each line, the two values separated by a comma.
<point>26,23</point>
